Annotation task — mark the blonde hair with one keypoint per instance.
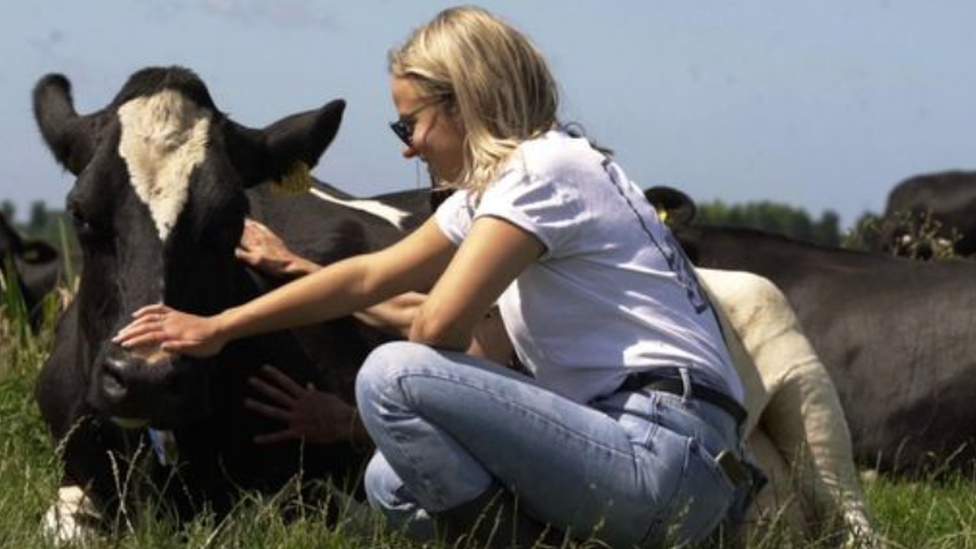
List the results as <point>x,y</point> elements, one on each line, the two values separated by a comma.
<point>493,79</point>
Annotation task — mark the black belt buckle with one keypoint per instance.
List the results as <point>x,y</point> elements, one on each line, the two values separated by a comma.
<point>733,469</point>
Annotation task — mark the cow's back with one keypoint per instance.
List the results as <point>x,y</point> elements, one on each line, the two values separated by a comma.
<point>896,336</point>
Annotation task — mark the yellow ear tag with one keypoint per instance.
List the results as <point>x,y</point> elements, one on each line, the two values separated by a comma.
<point>662,215</point>
<point>296,180</point>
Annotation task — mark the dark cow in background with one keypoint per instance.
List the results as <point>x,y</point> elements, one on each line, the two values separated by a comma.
<point>947,199</point>
<point>897,336</point>
<point>164,182</point>
<point>35,265</point>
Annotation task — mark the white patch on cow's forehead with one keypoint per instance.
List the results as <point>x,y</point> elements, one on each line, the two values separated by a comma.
<point>388,213</point>
<point>164,137</point>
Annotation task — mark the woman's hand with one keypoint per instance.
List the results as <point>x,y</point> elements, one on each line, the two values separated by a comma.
<point>308,414</point>
<point>173,331</point>
<point>263,250</point>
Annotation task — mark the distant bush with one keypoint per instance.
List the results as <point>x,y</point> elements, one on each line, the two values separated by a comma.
<point>914,236</point>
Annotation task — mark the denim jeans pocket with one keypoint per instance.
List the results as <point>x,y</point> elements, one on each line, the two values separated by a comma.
<point>632,411</point>
<point>701,501</point>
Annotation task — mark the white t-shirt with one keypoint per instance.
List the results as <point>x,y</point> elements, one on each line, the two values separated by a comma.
<point>612,292</point>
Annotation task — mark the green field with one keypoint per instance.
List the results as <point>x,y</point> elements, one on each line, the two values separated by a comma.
<point>911,514</point>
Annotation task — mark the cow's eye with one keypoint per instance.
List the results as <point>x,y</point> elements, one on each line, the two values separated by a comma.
<point>81,223</point>
<point>84,227</point>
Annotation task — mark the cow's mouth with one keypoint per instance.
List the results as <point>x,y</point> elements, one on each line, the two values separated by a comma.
<point>114,389</point>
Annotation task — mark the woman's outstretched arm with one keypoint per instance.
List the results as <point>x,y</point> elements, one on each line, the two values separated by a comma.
<point>340,289</point>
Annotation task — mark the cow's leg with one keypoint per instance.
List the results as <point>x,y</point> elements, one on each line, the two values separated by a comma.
<point>82,443</point>
<point>776,511</point>
<point>802,414</point>
<point>805,420</point>
<point>89,484</point>
<point>72,518</point>
<point>102,478</point>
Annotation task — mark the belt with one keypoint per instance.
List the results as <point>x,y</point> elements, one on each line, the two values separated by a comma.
<point>652,381</point>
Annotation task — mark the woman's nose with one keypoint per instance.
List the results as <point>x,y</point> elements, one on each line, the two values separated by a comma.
<point>409,151</point>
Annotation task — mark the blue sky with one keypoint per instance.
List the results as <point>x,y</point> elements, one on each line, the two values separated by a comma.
<point>820,105</point>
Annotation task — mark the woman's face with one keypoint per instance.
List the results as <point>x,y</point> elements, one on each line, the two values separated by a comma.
<point>437,138</point>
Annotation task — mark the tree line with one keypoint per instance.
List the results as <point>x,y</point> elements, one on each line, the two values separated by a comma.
<point>774,218</point>
<point>45,224</point>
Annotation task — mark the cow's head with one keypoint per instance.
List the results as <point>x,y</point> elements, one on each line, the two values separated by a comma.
<point>10,242</point>
<point>158,205</point>
<point>32,252</point>
<point>33,263</point>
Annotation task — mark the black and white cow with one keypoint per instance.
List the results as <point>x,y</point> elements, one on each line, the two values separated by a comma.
<point>164,182</point>
<point>35,265</point>
<point>946,198</point>
<point>897,336</point>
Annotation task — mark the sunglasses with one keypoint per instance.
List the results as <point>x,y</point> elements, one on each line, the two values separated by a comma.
<point>404,126</point>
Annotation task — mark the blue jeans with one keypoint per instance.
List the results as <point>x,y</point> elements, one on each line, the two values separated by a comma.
<point>631,469</point>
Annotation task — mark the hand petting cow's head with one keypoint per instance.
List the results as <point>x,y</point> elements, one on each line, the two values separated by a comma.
<point>159,207</point>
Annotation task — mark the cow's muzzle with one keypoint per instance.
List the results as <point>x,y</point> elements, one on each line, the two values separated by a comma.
<point>142,387</point>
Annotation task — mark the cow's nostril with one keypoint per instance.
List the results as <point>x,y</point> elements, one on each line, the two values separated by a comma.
<point>113,386</point>
<point>113,378</point>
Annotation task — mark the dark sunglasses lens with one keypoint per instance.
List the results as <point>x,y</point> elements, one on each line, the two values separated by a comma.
<point>402,130</point>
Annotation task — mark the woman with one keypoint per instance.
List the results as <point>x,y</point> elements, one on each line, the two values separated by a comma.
<point>633,396</point>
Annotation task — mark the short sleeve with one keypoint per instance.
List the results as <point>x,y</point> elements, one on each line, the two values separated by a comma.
<point>454,216</point>
<point>547,208</point>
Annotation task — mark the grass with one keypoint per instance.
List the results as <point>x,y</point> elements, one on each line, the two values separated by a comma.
<point>911,514</point>
<point>923,513</point>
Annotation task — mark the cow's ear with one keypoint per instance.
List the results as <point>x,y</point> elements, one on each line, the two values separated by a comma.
<point>301,138</point>
<point>678,208</point>
<point>70,137</point>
